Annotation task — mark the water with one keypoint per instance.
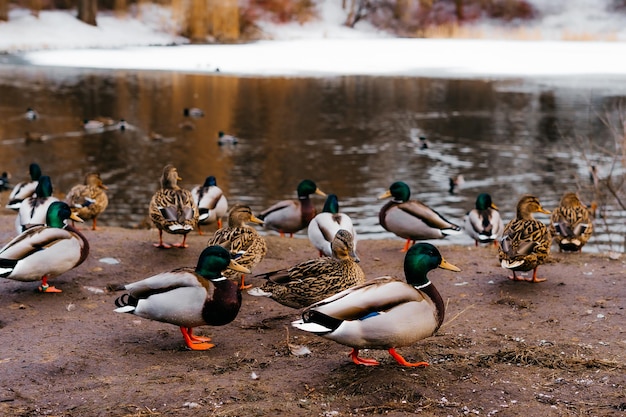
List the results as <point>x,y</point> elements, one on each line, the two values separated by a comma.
<point>353,136</point>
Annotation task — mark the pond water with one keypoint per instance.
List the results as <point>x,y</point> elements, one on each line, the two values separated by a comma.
<point>353,136</point>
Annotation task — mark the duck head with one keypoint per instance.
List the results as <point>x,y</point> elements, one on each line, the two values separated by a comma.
<point>170,177</point>
<point>58,213</point>
<point>527,205</point>
<point>331,205</point>
<point>35,171</point>
<point>44,187</point>
<point>308,187</point>
<point>399,190</point>
<point>483,202</point>
<point>422,258</point>
<point>215,259</point>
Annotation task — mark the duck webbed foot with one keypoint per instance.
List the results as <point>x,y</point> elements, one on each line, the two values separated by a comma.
<point>403,361</point>
<point>194,342</point>
<point>362,361</point>
<point>45,287</point>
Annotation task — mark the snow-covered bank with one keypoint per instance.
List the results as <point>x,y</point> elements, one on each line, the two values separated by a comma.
<point>315,57</point>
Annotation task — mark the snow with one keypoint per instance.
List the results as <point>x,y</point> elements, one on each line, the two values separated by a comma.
<point>320,48</point>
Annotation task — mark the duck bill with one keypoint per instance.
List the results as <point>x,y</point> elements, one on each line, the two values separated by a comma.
<point>239,268</point>
<point>104,187</point>
<point>355,257</point>
<point>493,206</point>
<point>386,194</point>
<point>75,217</point>
<point>447,265</point>
<point>320,192</point>
<point>544,211</point>
<point>256,220</point>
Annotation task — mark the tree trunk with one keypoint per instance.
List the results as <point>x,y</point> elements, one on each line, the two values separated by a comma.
<point>87,10</point>
<point>4,10</point>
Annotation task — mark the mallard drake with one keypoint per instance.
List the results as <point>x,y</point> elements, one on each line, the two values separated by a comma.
<point>187,297</point>
<point>570,224</point>
<point>172,208</point>
<point>211,202</point>
<point>93,125</point>
<point>88,200</point>
<point>412,219</point>
<point>25,189</point>
<point>315,279</point>
<point>244,243</point>
<point>193,112</point>
<point>525,242</point>
<point>31,114</point>
<point>5,181</point>
<point>225,139</point>
<point>34,209</point>
<point>45,251</point>
<point>326,224</point>
<point>383,313</point>
<point>291,216</point>
<point>483,223</point>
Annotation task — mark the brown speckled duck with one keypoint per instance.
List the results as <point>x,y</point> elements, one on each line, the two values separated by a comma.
<point>525,242</point>
<point>383,313</point>
<point>291,216</point>
<point>313,280</point>
<point>88,200</point>
<point>172,208</point>
<point>246,246</point>
<point>570,224</point>
<point>187,297</point>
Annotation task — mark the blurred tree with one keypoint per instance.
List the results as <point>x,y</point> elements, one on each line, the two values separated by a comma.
<point>4,10</point>
<point>87,10</point>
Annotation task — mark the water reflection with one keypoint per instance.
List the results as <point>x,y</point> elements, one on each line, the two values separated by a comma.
<point>349,134</point>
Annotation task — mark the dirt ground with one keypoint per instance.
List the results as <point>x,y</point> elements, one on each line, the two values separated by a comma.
<point>507,348</point>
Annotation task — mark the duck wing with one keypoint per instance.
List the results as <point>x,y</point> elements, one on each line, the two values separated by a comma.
<point>166,281</point>
<point>33,240</point>
<point>426,214</point>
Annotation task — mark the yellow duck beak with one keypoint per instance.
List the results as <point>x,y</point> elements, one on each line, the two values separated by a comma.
<point>256,220</point>
<point>447,265</point>
<point>386,194</point>
<point>75,217</point>
<point>239,268</point>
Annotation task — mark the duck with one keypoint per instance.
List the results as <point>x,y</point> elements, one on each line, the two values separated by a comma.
<point>454,183</point>
<point>172,208</point>
<point>412,219</point>
<point>313,280</point>
<point>5,181</point>
<point>211,202</point>
<point>89,200</point>
<point>291,216</point>
<point>193,112</point>
<point>45,251</point>
<point>31,114</point>
<point>384,312</point>
<point>93,125</point>
<point>483,223</point>
<point>225,139</point>
<point>24,189</point>
<point>34,209</point>
<point>525,241</point>
<point>245,244</point>
<point>570,224</point>
<point>187,297</point>
<point>325,225</point>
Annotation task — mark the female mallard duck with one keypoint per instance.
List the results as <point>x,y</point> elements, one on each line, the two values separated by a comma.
<point>172,208</point>
<point>385,312</point>
<point>244,243</point>
<point>34,209</point>
<point>570,224</point>
<point>326,224</point>
<point>525,242</point>
<point>24,189</point>
<point>88,200</point>
<point>291,216</point>
<point>411,219</point>
<point>316,279</point>
<point>211,202</point>
<point>483,223</point>
<point>45,251</point>
<point>186,297</point>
